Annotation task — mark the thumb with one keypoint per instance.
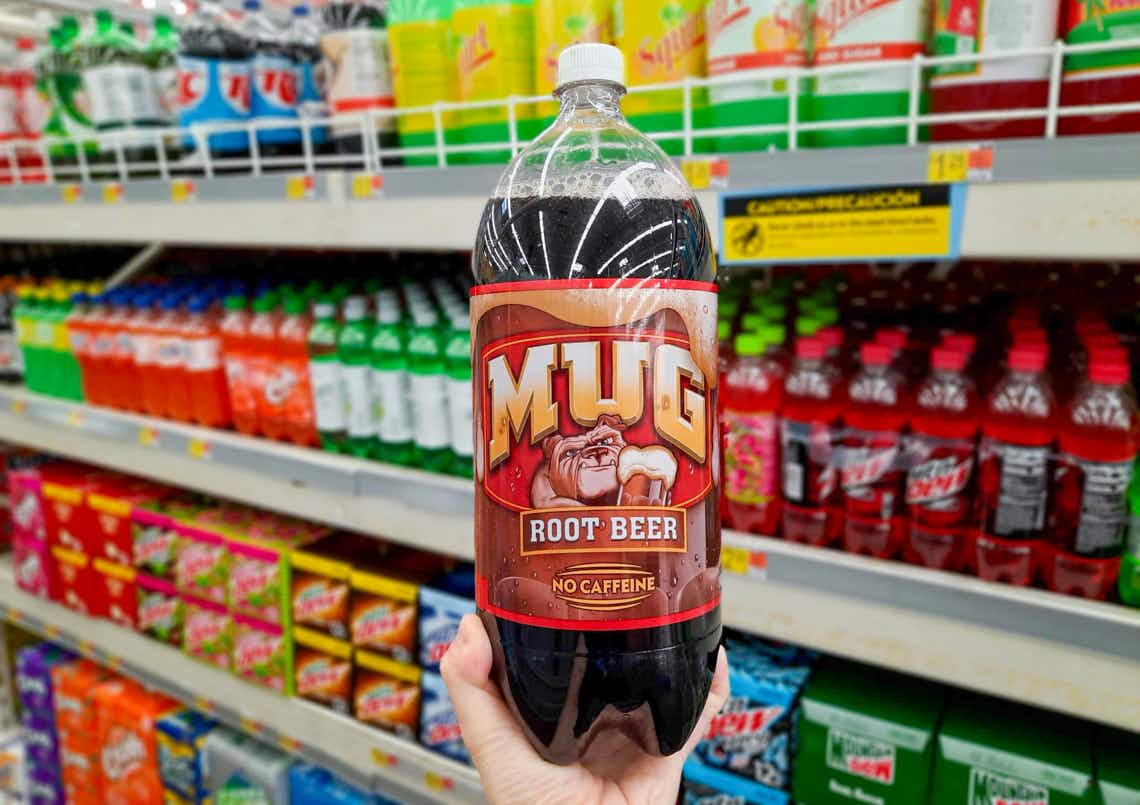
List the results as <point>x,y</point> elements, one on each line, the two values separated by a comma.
<point>497,745</point>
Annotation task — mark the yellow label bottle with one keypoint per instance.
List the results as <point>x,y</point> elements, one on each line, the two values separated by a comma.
<point>495,58</point>
<point>423,69</point>
<point>558,24</point>
<point>662,42</point>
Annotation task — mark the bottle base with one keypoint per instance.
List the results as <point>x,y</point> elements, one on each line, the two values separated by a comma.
<point>818,526</point>
<point>872,536</point>
<point>1012,561</point>
<point>943,549</point>
<point>1077,575</point>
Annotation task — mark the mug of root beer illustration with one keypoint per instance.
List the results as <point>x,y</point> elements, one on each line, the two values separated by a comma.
<point>598,468</point>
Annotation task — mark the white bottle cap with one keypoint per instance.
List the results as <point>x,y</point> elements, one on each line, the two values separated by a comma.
<point>591,61</point>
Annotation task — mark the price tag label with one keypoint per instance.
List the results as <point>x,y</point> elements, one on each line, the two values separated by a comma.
<point>383,759</point>
<point>437,782</point>
<point>52,632</point>
<point>148,436</point>
<point>973,163</point>
<point>85,648</point>
<point>70,192</point>
<point>704,172</point>
<point>291,745</point>
<point>112,192</point>
<point>15,615</point>
<point>182,190</point>
<point>75,419</point>
<point>299,187</point>
<point>114,664</point>
<point>198,448</point>
<point>19,407</point>
<point>367,185</point>
<point>249,726</point>
<point>743,562</point>
<point>203,705</point>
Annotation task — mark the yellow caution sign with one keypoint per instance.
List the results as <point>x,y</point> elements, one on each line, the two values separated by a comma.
<point>895,222</point>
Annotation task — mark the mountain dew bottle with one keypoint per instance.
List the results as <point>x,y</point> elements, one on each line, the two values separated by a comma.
<point>24,317</point>
<point>423,70</point>
<point>847,32</point>
<point>762,35</point>
<point>495,59</point>
<point>662,42</point>
<point>1129,581</point>
<point>431,426</point>
<point>558,24</point>
<point>390,385</point>
<point>457,357</point>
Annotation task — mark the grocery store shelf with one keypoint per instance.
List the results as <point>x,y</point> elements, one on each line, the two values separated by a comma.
<point>424,510</point>
<point>1067,198</point>
<point>369,758</point>
<point>1052,651</point>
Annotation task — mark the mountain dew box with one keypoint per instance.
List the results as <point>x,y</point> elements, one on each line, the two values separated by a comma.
<point>495,60</point>
<point>558,24</point>
<point>423,71</point>
<point>857,32</point>
<point>751,35</point>
<point>1117,769</point>
<point>752,734</point>
<point>1129,580</point>
<point>865,735</point>
<point>662,43</point>
<point>992,752</point>
<point>1110,76</point>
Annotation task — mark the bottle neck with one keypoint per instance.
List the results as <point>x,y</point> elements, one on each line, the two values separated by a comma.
<point>600,98</point>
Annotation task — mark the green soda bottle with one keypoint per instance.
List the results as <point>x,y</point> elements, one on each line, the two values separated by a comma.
<point>457,357</point>
<point>23,320</point>
<point>423,71</point>
<point>161,58</point>
<point>69,93</point>
<point>390,384</point>
<point>352,350</point>
<point>1129,580</point>
<point>430,421</point>
<point>325,376</point>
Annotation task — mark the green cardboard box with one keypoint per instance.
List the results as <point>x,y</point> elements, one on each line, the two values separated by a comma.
<point>1118,766</point>
<point>993,752</point>
<point>865,735</point>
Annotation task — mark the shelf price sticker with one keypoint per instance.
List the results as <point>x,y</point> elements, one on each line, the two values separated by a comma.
<point>52,632</point>
<point>249,726</point>
<point>291,745</point>
<point>15,615</point>
<point>847,224</point>
<point>19,407</point>
<point>203,705</point>
<point>384,760</point>
<point>956,163</point>
<point>198,448</point>
<point>743,562</point>
<point>86,649</point>
<point>182,190</point>
<point>148,436</point>
<point>112,192</point>
<point>703,173</point>
<point>299,187</point>
<point>70,192</point>
<point>75,418</point>
<point>437,782</point>
<point>367,185</point>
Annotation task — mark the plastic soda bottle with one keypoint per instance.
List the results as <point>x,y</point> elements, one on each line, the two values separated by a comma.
<point>808,440</point>
<point>428,386</point>
<point>214,78</point>
<point>1129,584</point>
<point>942,450</point>
<point>124,378</point>
<point>558,24</point>
<point>750,416</point>
<point>205,370</point>
<point>239,362</point>
<point>273,80</point>
<point>161,54</point>
<point>173,385</point>
<point>390,385</point>
<point>144,338</point>
<point>287,387</point>
<point>325,376</point>
<point>305,41</point>
<point>1014,475</point>
<point>1098,441</point>
<point>1104,77</point>
<point>263,323</point>
<point>457,357</point>
<point>352,350</point>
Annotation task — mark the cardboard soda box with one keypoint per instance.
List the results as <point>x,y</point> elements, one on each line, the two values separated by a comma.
<point>35,681</point>
<point>322,669</point>
<point>126,715</point>
<point>865,734</point>
<point>320,590</point>
<point>1118,766</point>
<point>202,564</point>
<point>259,578</point>
<point>31,565</point>
<point>25,503</point>
<point>386,694</point>
<point>263,654</point>
<point>992,751</point>
<point>73,684</point>
<point>238,769</point>
<point>74,582</point>
<point>68,521</point>
<point>310,785</point>
<point>154,541</point>
<point>439,726</point>
<point>208,632</point>
<point>160,611</point>
<point>115,589</point>
<point>112,502</point>
<point>180,736</point>
<point>383,614</point>
<point>443,603</point>
<point>708,785</point>
<point>41,743</point>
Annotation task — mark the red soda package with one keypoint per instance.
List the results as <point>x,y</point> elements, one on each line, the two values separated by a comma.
<point>942,467</point>
<point>67,518</point>
<point>810,478</point>
<point>73,581</point>
<point>1097,446</point>
<point>870,461</point>
<point>111,505</point>
<point>1014,475</point>
<point>31,563</point>
<point>25,502</point>
<point>115,588</point>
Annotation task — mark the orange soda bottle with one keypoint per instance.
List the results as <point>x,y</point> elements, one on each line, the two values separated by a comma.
<point>238,357</point>
<point>292,374</point>
<point>264,359</point>
<point>206,376</point>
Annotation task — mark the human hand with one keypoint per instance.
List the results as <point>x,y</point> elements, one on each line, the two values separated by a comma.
<point>614,770</point>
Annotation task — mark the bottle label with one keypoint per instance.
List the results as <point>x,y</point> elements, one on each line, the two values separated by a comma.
<point>358,401</point>
<point>1022,489</point>
<point>940,475</point>
<point>993,26</point>
<point>596,452</point>
<point>846,32</point>
<point>459,410</point>
<point>861,756</point>
<point>166,91</point>
<point>359,74</point>
<point>751,457</point>
<point>662,43</point>
<point>753,35</point>
<point>214,91</point>
<point>328,395</point>
<point>203,354</point>
<point>121,95</point>
<point>495,58</point>
<point>145,348</point>
<point>390,395</point>
<point>1090,513</point>
<point>809,468</point>
<point>423,71</point>
<point>240,381</point>
<point>169,352</point>
<point>273,91</point>
<point>991,788</point>
<point>1089,22</point>
<point>430,424</point>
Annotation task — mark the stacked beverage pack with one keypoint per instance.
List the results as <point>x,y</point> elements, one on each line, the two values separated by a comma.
<point>37,706</point>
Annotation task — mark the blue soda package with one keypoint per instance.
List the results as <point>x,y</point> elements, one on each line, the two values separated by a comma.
<point>752,735</point>
<point>439,726</point>
<point>705,785</point>
<point>310,785</point>
<point>180,737</point>
<point>443,603</point>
